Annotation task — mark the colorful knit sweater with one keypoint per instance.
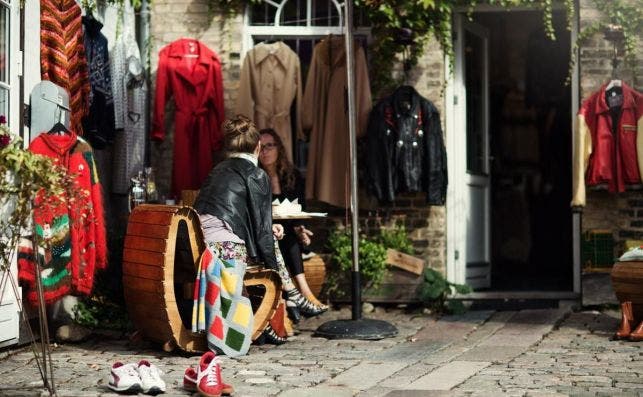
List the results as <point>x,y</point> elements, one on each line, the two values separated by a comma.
<point>71,235</point>
<point>62,54</point>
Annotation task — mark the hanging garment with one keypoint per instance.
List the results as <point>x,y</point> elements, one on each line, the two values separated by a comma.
<point>270,81</point>
<point>405,148</point>
<point>325,114</point>
<point>72,237</point>
<point>62,54</point>
<point>191,73</point>
<point>608,142</point>
<point>98,125</point>
<point>130,92</point>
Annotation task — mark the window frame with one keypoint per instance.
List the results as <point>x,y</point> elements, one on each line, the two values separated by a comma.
<point>276,31</point>
<point>7,85</point>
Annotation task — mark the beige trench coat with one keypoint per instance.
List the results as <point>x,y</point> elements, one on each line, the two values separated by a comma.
<point>325,114</point>
<point>270,81</point>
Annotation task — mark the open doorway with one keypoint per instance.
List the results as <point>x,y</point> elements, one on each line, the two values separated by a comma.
<point>529,152</point>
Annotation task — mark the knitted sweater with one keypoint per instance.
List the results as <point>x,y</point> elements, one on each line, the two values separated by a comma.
<point>62,54</point>
<point>72,240</point>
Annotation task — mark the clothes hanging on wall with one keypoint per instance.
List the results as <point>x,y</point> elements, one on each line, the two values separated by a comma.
<point>190,72</point>
<point>98,124</point>
<point>72,242</point>
<point>270,82</point>
<point>325,114</point>
<point>62,54</point>
<point>130,92</point>
<point>608,141</point>
<point>405,148</point>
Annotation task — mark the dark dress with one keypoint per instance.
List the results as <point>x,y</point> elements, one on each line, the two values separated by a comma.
<point>290,246</point>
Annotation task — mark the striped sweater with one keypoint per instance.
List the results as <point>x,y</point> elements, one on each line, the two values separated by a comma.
<point>62,54</point>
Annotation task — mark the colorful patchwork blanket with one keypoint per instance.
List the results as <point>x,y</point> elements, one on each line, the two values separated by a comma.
<point>219,307</point>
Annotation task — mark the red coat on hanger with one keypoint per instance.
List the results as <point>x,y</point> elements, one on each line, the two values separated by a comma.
<point>190,72</point>
<point>608,149</point>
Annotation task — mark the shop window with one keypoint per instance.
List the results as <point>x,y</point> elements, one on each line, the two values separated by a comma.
<point>5,9</point>
<point>300,24</point>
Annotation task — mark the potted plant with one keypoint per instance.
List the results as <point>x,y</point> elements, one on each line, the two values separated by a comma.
<point>23,176</point>
<point>372,258</point>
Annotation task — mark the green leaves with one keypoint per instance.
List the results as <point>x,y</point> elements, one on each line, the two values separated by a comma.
<point>27,181</point>
<point>427,4</point>
<point>396,238</point>
<point>372,256</point>
<point>435,290</point>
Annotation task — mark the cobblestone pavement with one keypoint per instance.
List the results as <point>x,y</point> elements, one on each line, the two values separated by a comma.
<point>516,353</point>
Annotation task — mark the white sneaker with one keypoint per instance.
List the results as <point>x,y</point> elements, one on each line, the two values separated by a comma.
<point>150,378</point>
<point>124,378</point>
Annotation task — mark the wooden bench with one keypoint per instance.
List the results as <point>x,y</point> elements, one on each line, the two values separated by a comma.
<point>162,248</point>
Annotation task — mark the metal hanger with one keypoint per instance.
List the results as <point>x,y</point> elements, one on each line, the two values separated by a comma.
<point>58,128</point>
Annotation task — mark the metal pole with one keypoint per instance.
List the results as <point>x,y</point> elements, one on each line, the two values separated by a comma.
<point>358,327</point>
<point>352,126</point>
<point>143,38</point>
<point>48,378</point>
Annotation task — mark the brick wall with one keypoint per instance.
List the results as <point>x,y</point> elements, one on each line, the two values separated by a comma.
<point>622,213</point>
<point>190,18</point>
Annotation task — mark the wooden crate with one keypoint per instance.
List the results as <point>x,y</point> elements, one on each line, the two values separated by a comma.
<point>398,286</point>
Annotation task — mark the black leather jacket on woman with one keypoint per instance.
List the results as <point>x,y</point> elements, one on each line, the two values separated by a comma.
<point>405,148</point>
<point>238,192</point>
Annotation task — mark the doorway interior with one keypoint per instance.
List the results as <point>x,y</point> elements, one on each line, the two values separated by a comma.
<point>529,151</point>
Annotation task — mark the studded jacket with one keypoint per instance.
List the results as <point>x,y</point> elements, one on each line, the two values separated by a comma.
<point>405,148</point>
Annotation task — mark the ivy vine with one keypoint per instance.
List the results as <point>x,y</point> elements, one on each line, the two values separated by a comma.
<point>424,19</point>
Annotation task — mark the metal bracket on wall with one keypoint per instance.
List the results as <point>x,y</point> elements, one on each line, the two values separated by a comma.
<point>26,115</point>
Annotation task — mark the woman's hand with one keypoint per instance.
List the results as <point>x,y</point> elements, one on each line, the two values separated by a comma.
<point>303,234</point>
<point>278,231</point>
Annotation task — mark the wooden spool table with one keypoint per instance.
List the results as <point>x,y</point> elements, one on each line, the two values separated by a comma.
<point>162,248</point>
<point>627,281</point>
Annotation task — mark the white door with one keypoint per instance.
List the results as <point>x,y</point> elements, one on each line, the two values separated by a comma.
<point>469,207</point>
<point>10,69</point>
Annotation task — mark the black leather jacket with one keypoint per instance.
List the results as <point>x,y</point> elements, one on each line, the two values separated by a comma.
<point>405,148</point>
<point>238,192</point>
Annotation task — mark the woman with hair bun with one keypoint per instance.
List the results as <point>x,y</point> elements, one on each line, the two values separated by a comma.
<point>235,210</point>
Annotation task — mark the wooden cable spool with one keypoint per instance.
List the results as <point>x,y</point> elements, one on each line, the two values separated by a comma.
<point>315,271</point>
<point>162,248</point>
<point>627,282</point>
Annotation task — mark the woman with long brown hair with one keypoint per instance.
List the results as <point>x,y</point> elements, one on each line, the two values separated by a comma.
<point>287,183</point>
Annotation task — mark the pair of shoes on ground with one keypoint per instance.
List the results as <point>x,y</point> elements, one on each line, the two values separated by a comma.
<point>135,378</point>
<point>206,378</point>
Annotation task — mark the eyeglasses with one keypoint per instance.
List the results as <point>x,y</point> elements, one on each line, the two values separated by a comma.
<point>268,146</point>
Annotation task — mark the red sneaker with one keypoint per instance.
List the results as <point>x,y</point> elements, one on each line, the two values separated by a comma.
<point>189,382</point>
<point>208,379</point>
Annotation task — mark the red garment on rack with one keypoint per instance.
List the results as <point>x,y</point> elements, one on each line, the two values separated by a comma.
<point>605,153</point>
<point>76,245</point>
<point>190,72</point>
